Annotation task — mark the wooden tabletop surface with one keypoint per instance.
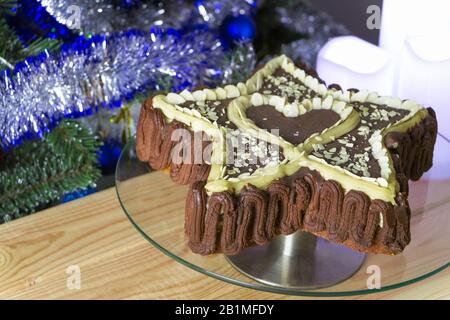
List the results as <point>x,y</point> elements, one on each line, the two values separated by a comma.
<point>116,262</point>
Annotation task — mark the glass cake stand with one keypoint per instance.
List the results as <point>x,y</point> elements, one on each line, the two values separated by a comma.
<point>299,264</point>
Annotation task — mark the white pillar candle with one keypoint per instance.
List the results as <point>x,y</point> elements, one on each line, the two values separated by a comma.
<point>404,18</point>
<point>424,75</point>
<point>421,61</point>
<point>354,63</point>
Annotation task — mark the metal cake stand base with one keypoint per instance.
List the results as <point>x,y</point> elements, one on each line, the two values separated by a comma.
<point>300,261</point>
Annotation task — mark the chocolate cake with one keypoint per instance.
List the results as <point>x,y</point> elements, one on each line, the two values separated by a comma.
<point>319,159</point>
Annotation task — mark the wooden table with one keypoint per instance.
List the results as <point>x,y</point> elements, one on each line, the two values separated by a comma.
<point>117,263</point>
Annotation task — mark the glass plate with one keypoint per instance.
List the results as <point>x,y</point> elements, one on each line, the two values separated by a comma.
<point>155,206</point>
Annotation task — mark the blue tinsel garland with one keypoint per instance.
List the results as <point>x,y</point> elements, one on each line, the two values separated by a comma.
<point>102,72</point>
<point>107,16</point>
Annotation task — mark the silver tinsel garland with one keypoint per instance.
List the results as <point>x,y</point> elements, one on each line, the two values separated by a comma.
<point>105,16</point>
<point>102,72</point>
<point>236,67</point>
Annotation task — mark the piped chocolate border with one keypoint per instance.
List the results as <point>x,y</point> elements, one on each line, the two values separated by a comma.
<point>226,222</point>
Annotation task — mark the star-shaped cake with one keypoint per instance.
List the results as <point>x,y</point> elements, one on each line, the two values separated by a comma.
<point>284,152</point>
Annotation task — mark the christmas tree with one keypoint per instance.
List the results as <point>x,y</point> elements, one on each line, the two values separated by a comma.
<point>74,75</point>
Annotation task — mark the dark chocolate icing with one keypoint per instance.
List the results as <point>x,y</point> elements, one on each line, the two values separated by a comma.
<point>413,150</point>
<point>246,154</point>
<point>195,210</point>
<point>299,199</point>
<point>214,110</point>
<point>156,145</point>
<point>294,130</point>
<point>283,84</point>
<point>229,238</point>
<point>279,220</point>
<point>353,151</point>
<point>191,161</point>
<point>252,208</point>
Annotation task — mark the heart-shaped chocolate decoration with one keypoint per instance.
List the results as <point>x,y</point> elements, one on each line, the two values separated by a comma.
<point>294,130</point>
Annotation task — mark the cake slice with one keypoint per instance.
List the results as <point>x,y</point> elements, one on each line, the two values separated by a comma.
<point>284,152</point>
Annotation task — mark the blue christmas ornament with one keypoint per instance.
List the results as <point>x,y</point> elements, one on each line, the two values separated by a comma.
<point>127,4</point>
<point>238,28</point>
<point>108,155</point>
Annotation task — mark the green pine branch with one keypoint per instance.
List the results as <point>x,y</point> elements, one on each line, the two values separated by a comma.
<point>12,50</point>
<point>7,5</point>
<point>10,46</point>
<point>39,172</point>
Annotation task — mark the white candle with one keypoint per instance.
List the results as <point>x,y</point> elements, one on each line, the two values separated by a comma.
<point>404,18</point>
<point>412,62</point>
<point>424,75</point>
<point>410,32</point>
<point>354,63</point>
